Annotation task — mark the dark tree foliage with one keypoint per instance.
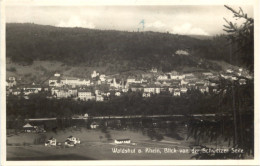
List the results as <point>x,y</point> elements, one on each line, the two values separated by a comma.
<point>120,50</point>
<point>242,37</point>
<point>234,99</point>
<point>133,103</point>
<point>234,122</point>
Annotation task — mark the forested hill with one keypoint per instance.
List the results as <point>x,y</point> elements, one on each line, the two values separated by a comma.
<point>131,50</point>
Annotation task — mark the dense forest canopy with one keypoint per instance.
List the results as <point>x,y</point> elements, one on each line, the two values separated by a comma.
<point>28,42</point>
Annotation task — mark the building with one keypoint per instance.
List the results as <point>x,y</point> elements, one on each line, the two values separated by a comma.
<point>229,71</point>
<point>85,95</point>
<point>184,83</point>
<point>94,125</point>
<point>11,79</point>
<point>184,90</point>
<point>28,128</point>
<point>30,91</point>
<point>242,81</point>
<point>74,139</point>
<point>174,77</point>
<point>181,52</point>
<point>75,82</point>
<point>200,84</point>
<point>99,98</point>
<point>73,92</point>
<point>63,93</point>
<point>97,92</point>
<point>115,83</point>
<point>130,80</point>
<point>102,77</point>
<point>136,87</point>
<point>122,141</point>
<point>174,73</point>
<point>176,92</point>
<point>124,90</point>
<point>51,142</point>
<point>94,74</point>
<point>204,89</point>
<point>154,70</point>
<point>55,80</point>
<point>69,143</point>
<point>207,74</point>
<point>11,82</point>
<point>32,86</point>
<point>57,75</point>
<point>149,90</point>
<point>162,77</point>
<point>117,94</point>
<point>15,92</point>
<point>146,94</point>
<point>189,76</point>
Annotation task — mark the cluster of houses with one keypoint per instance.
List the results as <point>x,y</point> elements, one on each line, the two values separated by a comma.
<point>28,128</point>
<point>149,83</point>
<point>70,141</point>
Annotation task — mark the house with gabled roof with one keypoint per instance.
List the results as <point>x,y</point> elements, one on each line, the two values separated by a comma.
<point>51,142</point>
<point>55,80</point>
<point>176,92</point>
<point>11,82</point>
<point>28,128</point>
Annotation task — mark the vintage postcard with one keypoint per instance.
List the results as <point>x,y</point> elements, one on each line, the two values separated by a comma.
<point>129,83</point>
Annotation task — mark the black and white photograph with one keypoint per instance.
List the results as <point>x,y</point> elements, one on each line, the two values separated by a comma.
<point>129,82</point>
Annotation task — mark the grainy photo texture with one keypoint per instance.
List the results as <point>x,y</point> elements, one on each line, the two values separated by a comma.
<point>129,82</point>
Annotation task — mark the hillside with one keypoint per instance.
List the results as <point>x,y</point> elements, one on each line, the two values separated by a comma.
<point>116,50</point>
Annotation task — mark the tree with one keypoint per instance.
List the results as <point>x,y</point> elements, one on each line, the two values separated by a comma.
<point>242,37</point>
<point>234,99</point>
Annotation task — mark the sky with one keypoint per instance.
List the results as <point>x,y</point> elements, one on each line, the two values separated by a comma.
<point>181,19</point>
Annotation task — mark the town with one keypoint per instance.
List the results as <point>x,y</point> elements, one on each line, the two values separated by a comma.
<point>101,87</point>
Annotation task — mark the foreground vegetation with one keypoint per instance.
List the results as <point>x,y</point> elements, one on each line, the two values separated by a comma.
<point>131,103</point>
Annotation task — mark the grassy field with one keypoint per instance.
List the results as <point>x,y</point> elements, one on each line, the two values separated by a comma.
<point>95,145</point>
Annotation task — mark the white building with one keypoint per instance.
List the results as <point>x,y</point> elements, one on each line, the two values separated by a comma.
<point>85,95</point>
<point>184,90</point>
<point>229,71</point>
<point>176,92</point>
<point>204,89</point>
<point>162,77</point>
<point>74,139</point>
<point>145,94</point>
<point>122,141</point>
<point>57,75</point>
<point>51,142</point>
<point>130,80</point>
<point>149,90</point>
<point>117,94</point>
<point>94,74</point>
<point>181,52</point>
<point>102,77</point>
<point>99,98</point>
